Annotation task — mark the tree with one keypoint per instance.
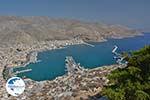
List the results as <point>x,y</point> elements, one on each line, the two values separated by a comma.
<point>132,82</point>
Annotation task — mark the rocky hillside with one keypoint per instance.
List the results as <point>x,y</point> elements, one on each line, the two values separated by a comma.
<point>32,29</point>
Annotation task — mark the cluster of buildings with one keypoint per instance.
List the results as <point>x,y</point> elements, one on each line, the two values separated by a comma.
<point>17,55</point>
<point>75,85</point>
<point>79,83</point>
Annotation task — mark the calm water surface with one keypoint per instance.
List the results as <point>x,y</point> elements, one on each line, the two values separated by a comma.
<point>53,62</point>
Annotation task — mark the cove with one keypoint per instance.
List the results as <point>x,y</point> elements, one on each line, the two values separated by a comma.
<point>52,62</point>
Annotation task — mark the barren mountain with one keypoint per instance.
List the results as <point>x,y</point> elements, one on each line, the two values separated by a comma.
<point>32,29</point>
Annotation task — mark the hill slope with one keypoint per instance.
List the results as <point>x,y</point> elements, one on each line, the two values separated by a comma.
<point>31,29</point>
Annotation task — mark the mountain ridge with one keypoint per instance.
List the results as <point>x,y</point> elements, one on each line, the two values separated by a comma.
<point>15,29</point>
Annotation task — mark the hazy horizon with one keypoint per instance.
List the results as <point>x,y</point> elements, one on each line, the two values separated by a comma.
<point>134,14</point>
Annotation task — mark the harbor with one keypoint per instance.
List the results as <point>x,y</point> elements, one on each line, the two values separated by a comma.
<point>50,84</point>
<point>77,83</point>
<point>89,57</point>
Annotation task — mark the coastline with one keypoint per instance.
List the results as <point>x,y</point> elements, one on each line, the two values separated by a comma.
<point>31,55</point>
<point>80,84</point>
<point>38,48</point>
<point>131,36</point>
<point>43,46</point>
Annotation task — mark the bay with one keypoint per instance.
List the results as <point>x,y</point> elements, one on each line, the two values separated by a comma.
<point>52,62</point>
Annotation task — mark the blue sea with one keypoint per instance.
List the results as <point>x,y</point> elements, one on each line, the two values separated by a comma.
<point>53,62</point>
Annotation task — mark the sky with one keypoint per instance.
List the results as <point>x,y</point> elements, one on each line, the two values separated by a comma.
<point>132,13</point>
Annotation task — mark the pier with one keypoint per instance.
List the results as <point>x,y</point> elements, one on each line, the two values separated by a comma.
<point>115,48</point>
<point>89,44</point>
<point>22,71</point>
<point>72,66</point>
<point>118,56</point>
